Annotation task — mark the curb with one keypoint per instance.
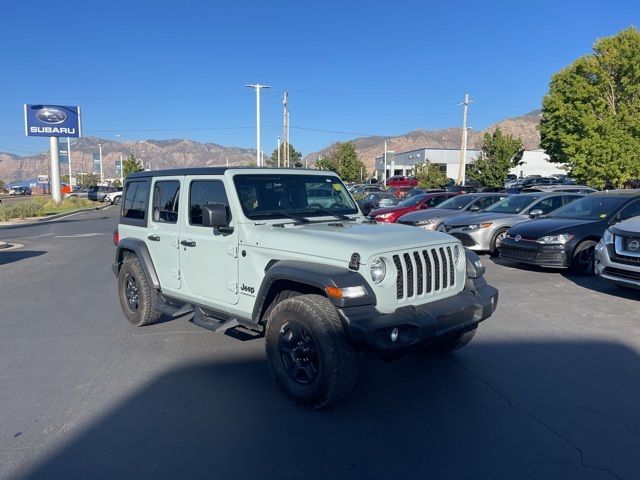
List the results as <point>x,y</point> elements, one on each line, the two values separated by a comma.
<point>52,218</point>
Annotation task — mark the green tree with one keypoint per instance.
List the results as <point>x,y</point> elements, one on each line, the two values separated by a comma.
<point>430,175</point>
<point>499,154</point>
<point>295,157</point>
<point>116,183</point>
<point>343,160</point>
<point>131,165</point>
<point>1,186</point>
<point>591,115</point>
<point>88,180</point>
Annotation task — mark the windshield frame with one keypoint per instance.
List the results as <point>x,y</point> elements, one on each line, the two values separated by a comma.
<point>470,199</point>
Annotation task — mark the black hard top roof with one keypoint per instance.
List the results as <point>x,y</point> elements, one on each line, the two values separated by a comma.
<point>211,171</point>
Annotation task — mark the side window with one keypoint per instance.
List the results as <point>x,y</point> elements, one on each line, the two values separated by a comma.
<point>631,210</point>
<point>486,201</point>
<point>204,192</point>
<point>134,205</point>
<point>165,201</point>
<point>570,198</point>
<point>549,204</point>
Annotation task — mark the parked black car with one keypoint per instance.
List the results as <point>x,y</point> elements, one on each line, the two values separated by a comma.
<point>377,200</point>
<point>567,237</point>
<point>98,192</point>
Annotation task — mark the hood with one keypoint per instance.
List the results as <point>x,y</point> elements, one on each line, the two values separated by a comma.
<point>338,240</point>
<point>629,228</point>
<point>534,229</point>
<point>394,209</point>
<point>428,214</point>
<point>478,217</point>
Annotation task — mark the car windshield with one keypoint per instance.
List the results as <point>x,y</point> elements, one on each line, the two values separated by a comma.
<point>591,208</point>
<point>271,196</point>
<point>513,204</point>
<point>411,201</point>
<point>457,203</point>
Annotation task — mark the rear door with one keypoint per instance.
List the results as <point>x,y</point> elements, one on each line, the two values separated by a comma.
<point>208,257</point>
<point>163,234</point>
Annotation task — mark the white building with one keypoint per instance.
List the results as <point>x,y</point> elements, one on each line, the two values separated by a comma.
<point>534,162</point>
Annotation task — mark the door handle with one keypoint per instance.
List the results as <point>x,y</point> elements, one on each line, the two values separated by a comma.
<point>188,243</point>
<point>154,238</point>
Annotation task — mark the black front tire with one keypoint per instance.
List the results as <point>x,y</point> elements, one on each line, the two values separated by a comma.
<point>116,201</point>
<point>496,240</point>
<point>308,351</point>
<point>137,296</point>
<point>583,259</point>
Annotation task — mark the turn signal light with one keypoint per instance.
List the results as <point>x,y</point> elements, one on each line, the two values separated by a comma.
<point>116,237</point>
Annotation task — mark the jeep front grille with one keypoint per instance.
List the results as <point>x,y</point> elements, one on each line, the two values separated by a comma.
<point>422,272</point>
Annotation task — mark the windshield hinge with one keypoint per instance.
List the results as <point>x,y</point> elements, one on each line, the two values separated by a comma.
<point>232,286</point>
<point>233,251</point>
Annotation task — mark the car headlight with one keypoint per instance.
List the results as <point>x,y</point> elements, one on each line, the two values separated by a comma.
<point>560,239</point>
<point>377,270</point>
<point>384,215</point>
<point>607,237</point>
<point>477,226</point>
<point>422,223</point>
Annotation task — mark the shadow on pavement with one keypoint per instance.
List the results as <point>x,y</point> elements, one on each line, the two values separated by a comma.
<point>501,410</point>
<point>17,255</point>
<point>597,284</point>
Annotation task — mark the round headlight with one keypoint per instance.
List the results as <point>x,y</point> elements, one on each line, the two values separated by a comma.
<point>456,254</point>
<point>377,270</point>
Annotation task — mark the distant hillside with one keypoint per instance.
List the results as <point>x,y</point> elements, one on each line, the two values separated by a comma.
<point>369,148</point>
<point>179,153</point>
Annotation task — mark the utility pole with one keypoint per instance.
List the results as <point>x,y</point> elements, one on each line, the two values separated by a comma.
<point>54,179</point>
<point>285,128</point>
<point>278,152</point>
<point>384,175</point>
<point>69,158</point>
<point>257,88</point>
<point>227,161</point>
<point>463,149</point>
<point>121,172</point>
<point>101,173</point>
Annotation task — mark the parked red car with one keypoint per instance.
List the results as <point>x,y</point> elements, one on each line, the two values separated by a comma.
<point>419,202</point>
<point>400,192</point>
<point>402,181</point>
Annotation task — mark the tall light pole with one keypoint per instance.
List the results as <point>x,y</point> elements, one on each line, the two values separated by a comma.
<point>257,88</point>
<point>384,175</point>
<point>101,173</point>
<point>463,147</point>
<point>278,152</point>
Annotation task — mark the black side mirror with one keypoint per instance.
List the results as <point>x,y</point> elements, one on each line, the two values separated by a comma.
<point>216,215</point>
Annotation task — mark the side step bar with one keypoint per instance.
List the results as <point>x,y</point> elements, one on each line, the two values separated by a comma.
<point>174,311</point>
<point>216,325</point>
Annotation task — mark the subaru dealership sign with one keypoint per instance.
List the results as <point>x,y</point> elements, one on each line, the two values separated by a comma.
<point>52,121</point>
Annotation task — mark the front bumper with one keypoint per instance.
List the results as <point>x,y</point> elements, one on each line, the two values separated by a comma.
<point>421,324</point>
<point>619,269</point>
<point>534,253</point>
<point>476,240</point>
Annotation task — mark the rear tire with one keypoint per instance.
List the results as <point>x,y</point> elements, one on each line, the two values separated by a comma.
<point>116,201</point>
<point>308,351</point>
<point>137,296</point>
<point>496,240</point>
<point>583,258</point>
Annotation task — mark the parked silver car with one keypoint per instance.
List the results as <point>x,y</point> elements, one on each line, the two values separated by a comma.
<point>617,256</point>
<point>432,218</point>
<point>483,231</point>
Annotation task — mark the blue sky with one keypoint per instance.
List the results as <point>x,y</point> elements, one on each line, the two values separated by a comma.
<point>159,69</point>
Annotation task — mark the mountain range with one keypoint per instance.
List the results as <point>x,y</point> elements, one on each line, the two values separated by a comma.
<point>178,153</point>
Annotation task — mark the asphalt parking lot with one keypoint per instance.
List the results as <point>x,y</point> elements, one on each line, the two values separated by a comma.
<point>549,388</point>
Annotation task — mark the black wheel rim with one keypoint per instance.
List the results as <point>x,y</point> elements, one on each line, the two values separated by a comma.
<point>585,260</point>
<point>131,292</point>
<point>298,353</point>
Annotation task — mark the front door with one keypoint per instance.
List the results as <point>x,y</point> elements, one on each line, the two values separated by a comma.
<point>163,234</point>
<point>208,257</point>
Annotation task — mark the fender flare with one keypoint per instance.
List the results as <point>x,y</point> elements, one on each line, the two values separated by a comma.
<point>139,248</point>
<point>308,274</point>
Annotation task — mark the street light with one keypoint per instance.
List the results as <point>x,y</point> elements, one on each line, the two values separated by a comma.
<point>385,163</point>
<point>257,88</point>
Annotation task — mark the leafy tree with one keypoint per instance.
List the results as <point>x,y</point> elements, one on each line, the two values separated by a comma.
<point>343,159</point>
<point>131,165</point>
<point>1,185</point>
<point>295,157</point>
<point>116,183</point>
<point>430,175</point>
<point>591,115</point>
<point>88,180</point>
<point>498,155</point>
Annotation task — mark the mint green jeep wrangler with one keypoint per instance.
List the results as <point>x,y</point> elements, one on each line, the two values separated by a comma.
<point>286,253</point>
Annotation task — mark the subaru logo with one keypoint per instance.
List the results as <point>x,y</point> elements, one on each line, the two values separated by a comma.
<point>633,245</point>
<point>51,115</point>
<point>518,238</point>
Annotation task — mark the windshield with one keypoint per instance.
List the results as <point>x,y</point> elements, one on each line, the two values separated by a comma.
<point>591,208</point>
<point>513,204</point>
<point>410,202</point>
<point>270,196</point>
<point>457,203</point>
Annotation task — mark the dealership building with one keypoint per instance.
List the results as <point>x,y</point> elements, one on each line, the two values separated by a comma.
<point>534,162</point>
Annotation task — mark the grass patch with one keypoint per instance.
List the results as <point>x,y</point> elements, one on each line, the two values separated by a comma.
<point>41,207</point>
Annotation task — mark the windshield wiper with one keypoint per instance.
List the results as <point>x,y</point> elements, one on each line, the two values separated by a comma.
<point>323,211</point>
<point>283,214</point>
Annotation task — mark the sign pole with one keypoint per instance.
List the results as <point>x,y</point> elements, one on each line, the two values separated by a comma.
<point>69,158</point>
<point>55,170</point>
